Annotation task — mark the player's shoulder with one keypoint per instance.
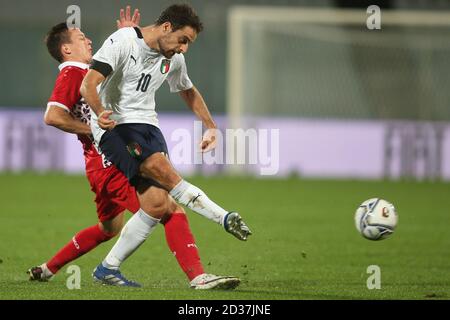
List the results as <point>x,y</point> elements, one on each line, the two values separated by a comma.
<point>178,60</point>
<point>72,70</point>
<point>120,40</point>
<point>125,33</point>
<point>178,57</point>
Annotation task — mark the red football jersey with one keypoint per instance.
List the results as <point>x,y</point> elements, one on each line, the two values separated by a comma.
<point>66,95</point>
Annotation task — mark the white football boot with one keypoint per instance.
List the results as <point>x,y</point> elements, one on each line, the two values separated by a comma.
<point>207,281</point>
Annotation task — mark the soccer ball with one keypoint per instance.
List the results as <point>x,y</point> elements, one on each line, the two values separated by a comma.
<point>376,219</point>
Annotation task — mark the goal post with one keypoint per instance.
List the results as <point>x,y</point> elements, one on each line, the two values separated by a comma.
<point>327,82</point>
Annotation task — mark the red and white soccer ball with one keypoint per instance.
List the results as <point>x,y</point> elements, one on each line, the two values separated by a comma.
<point>376,219</point>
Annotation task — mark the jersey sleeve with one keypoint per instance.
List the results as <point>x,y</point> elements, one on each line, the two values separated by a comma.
<point>66,92</point>
<point>178,78</point>
<point>112,53</point>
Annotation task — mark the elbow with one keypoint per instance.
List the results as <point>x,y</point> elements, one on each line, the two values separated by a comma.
<point>49,119</point>
<point>52,117</point>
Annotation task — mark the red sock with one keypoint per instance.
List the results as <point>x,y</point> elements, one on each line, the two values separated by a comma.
<point>84,241</point>
<point>182,244</point>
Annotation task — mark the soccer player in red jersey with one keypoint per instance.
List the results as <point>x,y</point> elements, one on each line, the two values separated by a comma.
<point>67,111</point>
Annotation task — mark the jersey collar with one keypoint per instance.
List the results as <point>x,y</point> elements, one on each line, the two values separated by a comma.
<point>141,42</point>
<point>73,64</point>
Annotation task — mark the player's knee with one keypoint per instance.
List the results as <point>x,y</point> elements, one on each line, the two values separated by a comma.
<point>157,208</point>
<point>173,207</point>
<point>112,227</point>
<point>179,209</point>
<point>168,215</point>
<point>110,230</point>
<point>165,218</point>
<point>112,233</point>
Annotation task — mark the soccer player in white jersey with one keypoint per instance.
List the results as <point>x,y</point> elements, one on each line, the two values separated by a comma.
<point>67,111</point>
<point>130,66</point>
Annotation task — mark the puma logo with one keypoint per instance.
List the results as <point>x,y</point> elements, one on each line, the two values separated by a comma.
<point>192,201</point>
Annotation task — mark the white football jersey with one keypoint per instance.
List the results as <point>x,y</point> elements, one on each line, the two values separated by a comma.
<point>135,72</point>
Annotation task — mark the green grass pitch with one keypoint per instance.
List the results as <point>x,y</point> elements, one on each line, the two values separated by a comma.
<point>304,243</point>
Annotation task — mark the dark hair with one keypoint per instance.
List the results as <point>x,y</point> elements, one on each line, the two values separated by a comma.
<point>56,37</point>
<point>179,16</point>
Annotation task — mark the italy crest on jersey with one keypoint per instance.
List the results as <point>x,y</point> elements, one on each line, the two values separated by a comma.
<point>165,66</point>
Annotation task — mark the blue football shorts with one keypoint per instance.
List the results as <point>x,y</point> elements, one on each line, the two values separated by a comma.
<point>129,144</point>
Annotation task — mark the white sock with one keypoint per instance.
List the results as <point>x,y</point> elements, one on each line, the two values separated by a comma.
<point>133,234</point>
<point>196,200</point>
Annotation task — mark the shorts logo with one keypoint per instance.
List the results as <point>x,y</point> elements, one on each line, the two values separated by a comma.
<point>165,66</point>
<point>134,149</point>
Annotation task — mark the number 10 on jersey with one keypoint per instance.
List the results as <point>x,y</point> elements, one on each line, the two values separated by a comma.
<point>143,83</point>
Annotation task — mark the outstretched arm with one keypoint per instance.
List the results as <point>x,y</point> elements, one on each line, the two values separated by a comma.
<point>195,101</point>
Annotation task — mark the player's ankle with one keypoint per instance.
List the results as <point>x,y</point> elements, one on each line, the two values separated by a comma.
<point>110,266</point>
<point>47,273</point>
